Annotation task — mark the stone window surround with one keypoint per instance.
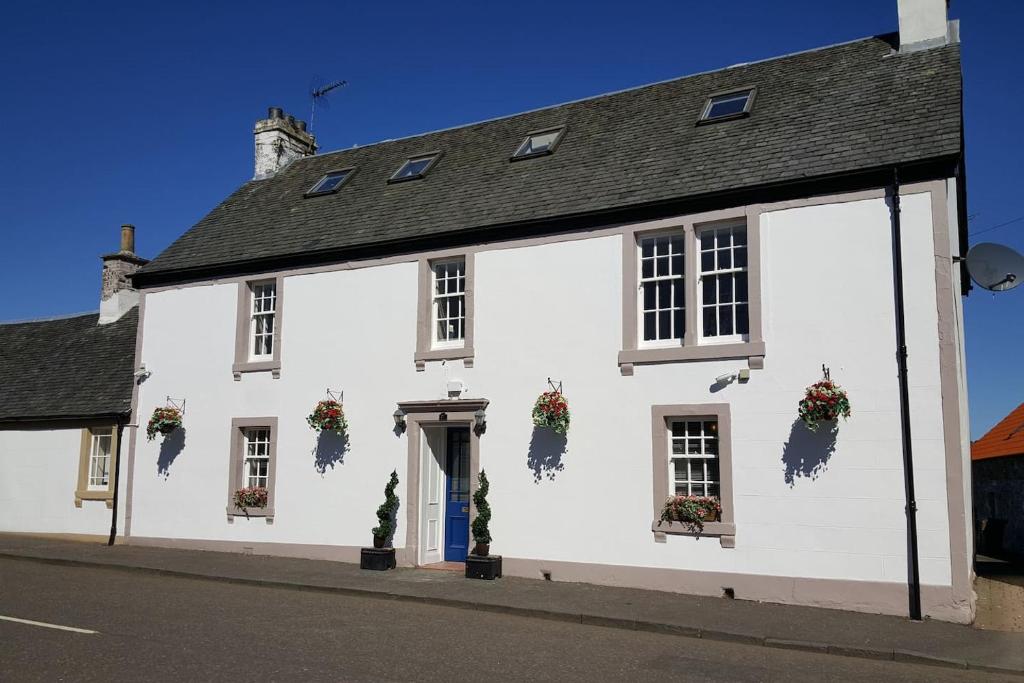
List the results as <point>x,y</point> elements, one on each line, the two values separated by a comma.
<point>691,348</point>
<point>243,321</point>
<point>425,350</point>
<point>660,417</point>
<point>82,491</point>
<point>237,459</point>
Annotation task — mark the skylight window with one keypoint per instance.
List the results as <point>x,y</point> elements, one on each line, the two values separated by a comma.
<point>331,182</point>
<point>539,143</point>
<point>415,167</point>
<point>732,105</point>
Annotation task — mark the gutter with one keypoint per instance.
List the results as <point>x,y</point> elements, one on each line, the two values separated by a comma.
<point>117,481</point>
<point>913,570</point>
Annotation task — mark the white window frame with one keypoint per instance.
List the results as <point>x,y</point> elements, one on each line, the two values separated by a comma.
<point>701,274</point>
<point>459,342</point>
<point>255,314</point>
<point>704,456</point>
<point>98,435</point>
<point>681,277</point>
<point>253,438</point>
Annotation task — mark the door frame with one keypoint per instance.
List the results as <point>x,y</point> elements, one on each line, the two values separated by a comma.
<point>439,413</point>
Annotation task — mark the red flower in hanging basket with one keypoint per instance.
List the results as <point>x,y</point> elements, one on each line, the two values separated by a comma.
<point>552,410</point>
<point>328,416</point>
<point>824,401</point>
<point>163,421</point>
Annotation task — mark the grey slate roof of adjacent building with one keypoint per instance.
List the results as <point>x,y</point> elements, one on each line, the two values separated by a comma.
<point>836,110</point>
<point>66,368</point>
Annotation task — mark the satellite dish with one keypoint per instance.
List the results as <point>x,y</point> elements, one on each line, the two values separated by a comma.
<point>995,267</point>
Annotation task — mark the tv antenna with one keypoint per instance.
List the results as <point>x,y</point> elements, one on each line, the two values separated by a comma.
<point>318,93</point>
<point>995,267</point>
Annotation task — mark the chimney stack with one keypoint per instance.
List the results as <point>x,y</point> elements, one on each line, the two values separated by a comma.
<point>280,140</point>
<point>925,24</point>
<point>117,296</point>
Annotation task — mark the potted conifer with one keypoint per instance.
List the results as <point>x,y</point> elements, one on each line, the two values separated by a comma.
<point>382,555</point>
<point>480,564</point>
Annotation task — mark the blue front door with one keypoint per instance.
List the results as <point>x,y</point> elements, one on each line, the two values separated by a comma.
<point>456,479</point>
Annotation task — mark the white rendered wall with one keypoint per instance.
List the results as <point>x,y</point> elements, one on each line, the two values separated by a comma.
<point>37,489</point>
<point>554,310</point>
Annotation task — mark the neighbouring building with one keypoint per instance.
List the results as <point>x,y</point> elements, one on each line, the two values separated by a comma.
<point>997,465</point>
<point>681,258</point>
<point>64,405</point>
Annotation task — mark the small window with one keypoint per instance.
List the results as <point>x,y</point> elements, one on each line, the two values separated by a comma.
<point>256,460</point>
<point>330,183</point>
<point>99,459</point>
<point>694,466</point>
<point>415,167</point>
<point>264,310</point>
<point>724,294</point>
<point>727,106</point>
<point>449,303</point>
<point>539,143</point>
<point>662,299</point>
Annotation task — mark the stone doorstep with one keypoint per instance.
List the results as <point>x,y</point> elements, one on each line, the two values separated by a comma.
<point>392,591</point>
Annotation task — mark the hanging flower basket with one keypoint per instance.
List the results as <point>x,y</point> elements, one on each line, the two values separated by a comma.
<point>328,416</point>
<point>251,497</point>
<point>692,511</point>
<point>552,410</point>
<point>824,401</point>
<point>164,421</point>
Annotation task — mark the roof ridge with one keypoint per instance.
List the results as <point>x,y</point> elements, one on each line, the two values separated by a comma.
<point>598,96</point>
<point>66,316</point>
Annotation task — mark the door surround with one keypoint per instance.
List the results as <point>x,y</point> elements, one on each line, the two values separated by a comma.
<point>437,413</point>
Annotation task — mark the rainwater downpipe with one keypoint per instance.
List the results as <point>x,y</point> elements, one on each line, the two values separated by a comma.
<point>913,572</point>
<point>117,481</point>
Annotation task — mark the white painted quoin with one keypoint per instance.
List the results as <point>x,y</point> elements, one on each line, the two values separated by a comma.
<point>834,537</point>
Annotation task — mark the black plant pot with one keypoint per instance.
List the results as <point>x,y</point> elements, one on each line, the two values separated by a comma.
<point>377,559</point>
<point>483,567</point>
<point>379,541</point>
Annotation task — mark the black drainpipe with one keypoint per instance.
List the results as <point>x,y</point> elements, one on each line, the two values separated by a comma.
<point>914,578</point>
<point>117,481</point>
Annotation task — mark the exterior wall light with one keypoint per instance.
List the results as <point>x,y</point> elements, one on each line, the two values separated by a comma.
<point>480,421</point>
<point>399,416</point>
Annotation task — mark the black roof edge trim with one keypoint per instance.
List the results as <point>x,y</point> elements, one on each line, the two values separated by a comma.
<point>70,421</point>
<point>878,177</point>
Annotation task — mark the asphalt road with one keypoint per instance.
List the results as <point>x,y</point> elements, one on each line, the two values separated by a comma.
<point>171,629</point>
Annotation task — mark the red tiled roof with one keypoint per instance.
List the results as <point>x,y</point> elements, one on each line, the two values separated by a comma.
<point>1006,438</point>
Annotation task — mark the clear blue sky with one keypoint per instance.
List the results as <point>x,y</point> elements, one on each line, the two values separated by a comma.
<point>142,112</point>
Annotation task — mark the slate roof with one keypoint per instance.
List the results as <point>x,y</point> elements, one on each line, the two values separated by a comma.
<point>67,367</point>
<point>836,110</point>
<point>1006,438</point>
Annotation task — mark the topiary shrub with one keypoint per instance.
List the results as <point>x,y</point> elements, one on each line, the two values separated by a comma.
<point>481,532</point>
<point>386,512</point>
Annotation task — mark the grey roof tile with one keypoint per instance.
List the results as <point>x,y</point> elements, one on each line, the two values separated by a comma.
<point>839,109</point>
<point>67,367</point>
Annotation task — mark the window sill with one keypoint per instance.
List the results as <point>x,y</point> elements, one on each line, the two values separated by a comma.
<point>107,496</point>
<point>464,353</point>
<point>724,531</point>
<point>273,366</point>
<point>675,354</point>
<point>266,513</point>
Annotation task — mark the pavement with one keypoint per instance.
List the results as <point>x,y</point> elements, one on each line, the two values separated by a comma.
<point>812,630</point>
<point>1000,589</point>
<point>137,626</point>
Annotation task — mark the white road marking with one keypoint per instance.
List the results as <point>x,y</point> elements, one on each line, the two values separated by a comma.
<point>45,625</point>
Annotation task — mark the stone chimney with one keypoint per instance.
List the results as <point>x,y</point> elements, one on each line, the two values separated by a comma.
<point>925,24</point>
<point>280,140</point>
<point>117,295</point>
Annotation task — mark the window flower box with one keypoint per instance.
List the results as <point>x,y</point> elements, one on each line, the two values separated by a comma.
<point>163,421</point>
<point>251,498</point>
<point>691,511</point>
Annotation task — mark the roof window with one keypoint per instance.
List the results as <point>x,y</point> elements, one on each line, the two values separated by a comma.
<point>539,143</point>
<point>731,105</point>
<point>415,167</point>
<point>331,182</point>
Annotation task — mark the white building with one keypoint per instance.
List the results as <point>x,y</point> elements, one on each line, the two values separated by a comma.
<point>682,257</point>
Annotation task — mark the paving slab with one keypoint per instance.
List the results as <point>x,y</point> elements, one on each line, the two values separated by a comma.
<point>782,626</point>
